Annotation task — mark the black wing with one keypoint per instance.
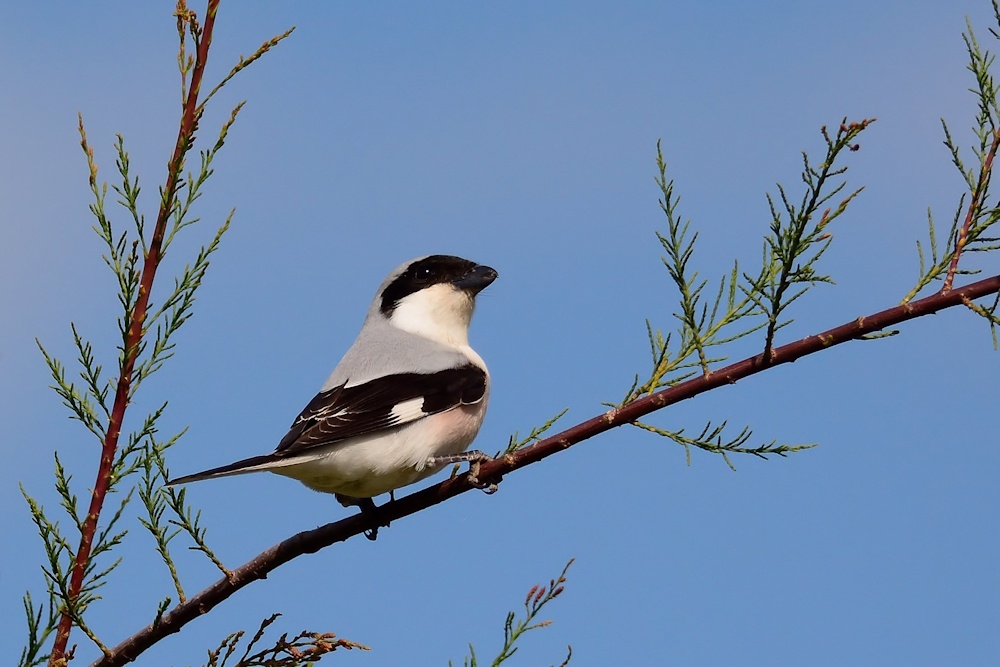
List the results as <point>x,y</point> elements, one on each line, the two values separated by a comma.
<point>345,412</point>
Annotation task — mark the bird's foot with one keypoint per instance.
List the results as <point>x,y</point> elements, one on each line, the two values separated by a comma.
<point>367,507</point>
<point>475,458</point>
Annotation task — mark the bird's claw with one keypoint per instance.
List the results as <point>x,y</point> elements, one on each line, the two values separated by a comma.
<point>475,458</point>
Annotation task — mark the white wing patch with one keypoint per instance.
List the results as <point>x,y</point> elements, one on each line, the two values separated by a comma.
<point>408,411</point>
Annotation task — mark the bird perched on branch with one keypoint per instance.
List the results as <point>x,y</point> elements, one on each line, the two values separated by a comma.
<point>408,397</point>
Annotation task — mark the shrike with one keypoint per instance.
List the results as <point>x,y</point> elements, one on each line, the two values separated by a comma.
<point>408,397</point>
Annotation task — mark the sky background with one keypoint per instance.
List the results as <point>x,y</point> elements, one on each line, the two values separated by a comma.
<point>523,135</point>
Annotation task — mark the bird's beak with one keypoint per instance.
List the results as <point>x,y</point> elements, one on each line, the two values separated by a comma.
<point>477,279</point>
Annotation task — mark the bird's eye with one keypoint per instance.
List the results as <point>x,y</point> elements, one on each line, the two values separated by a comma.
<point>424,274</point>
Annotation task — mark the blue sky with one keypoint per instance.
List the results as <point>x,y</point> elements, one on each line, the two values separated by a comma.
<point>523,135</point>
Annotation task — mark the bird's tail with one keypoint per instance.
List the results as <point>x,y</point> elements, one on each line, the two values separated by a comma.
<point>252,464</point>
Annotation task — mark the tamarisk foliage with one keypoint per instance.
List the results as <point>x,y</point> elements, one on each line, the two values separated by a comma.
<point>743,303</point>
<point>304,648</point>
<point>514,628</point>
<point>78,562</point>
<point>747,304</point>
<point>974,216</point>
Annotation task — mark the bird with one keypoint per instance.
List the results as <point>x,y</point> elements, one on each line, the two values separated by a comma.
<point>408,397</point>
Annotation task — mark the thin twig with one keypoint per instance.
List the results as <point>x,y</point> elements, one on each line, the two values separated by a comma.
<point>185,138</point>
<point>312,541</point>
<point>972,212</point>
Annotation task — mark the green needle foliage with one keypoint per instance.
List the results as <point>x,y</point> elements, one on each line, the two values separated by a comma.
<point>711,440</point>
<point>701,326</point>
<point>138,461</point>
<point>517,442</point>
<point>974,216</point>
<point>742,304</point>
<point>515,628</point>
<point>799,235</point>
<point>88,400</point>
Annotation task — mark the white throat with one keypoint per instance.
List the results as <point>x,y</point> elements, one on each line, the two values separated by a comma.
<point>440,313</point>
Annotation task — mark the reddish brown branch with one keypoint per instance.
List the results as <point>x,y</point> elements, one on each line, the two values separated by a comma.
<point>137,320</point>
<point>313,540</point>
<point>970,215</point>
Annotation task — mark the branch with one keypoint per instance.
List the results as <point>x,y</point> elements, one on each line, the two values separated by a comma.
<point>311,541</point>
<point>137,319</point>
<point>973,211</point>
